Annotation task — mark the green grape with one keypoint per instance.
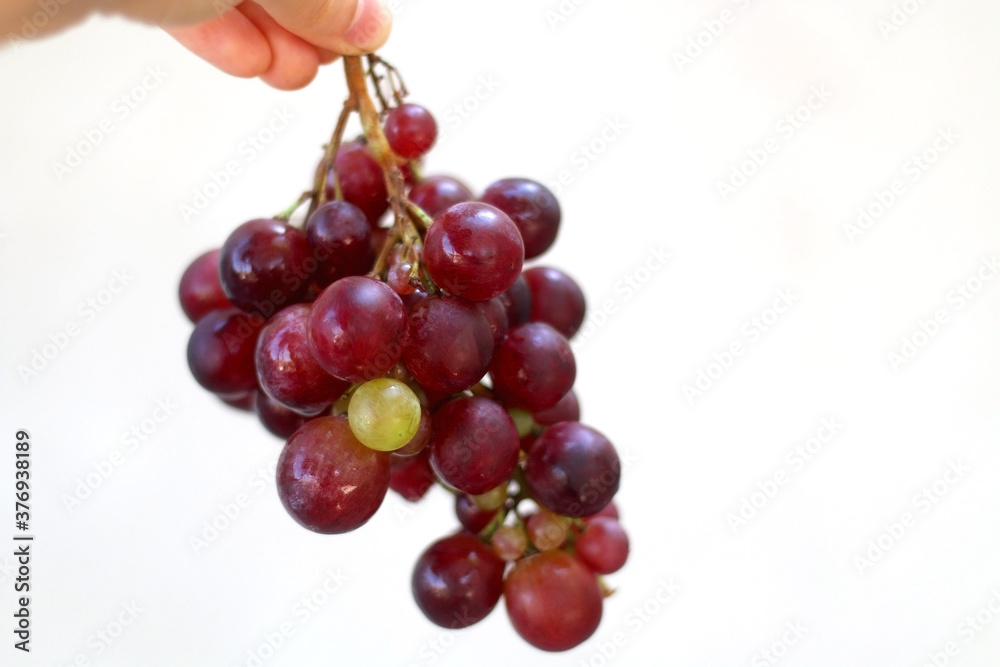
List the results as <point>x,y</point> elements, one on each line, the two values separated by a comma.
<point>384,414</point>
<point>522,420</point>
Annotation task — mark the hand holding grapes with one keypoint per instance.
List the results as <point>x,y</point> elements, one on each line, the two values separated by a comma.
<point>281,41</point>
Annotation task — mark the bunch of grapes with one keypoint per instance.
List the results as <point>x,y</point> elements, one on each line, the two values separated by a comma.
<point>416,353</point>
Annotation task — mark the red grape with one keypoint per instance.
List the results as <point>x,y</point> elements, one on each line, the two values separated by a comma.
<point>265,265</point>
<point>411,476</point>
<point>361,180</point>
<point>287,370</point>
<point>553,600</point>
<point>357,328</point>
<point>220,351</point>
<point>603,545</point>
<point>200,289</point>
<point>410,130</point>
<point>450,344</point>
<point>573,469</point>
<point>533,368</point>
<point>277,418</point>
<point>566,410</point>
<point>327,480</point>
<point>473,250</point>
<point>556,299</point>
<point>457,581</point>
<point>434,194</point>
<point>532,207</point>
<point>473,517</point>
<point>474,444</point>
<point>341,241</point>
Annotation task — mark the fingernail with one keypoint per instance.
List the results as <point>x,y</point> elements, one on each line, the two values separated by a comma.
<point>371,24</point>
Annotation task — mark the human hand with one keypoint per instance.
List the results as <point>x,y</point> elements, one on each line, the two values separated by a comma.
<point>281,41</point>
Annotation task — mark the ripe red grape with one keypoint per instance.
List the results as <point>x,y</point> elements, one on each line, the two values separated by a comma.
<point>566,410</point>
<point>457,581</point>
<point>265,265</point>
<point>474,444</point>
<point>533,368</point>
<point>357,328</point>
<point>473,517</point>
<point>573,469</point>
<point>277,418</point>
<point>450,344</point>
<point>517,300</point>
<point>287,370</point>
<point>340,239</point>
<point>200,290</point>
<point>410,130</point>
<point>411,476</point>
<point>327,480</point>
<point>603,545</point>
<point>361,180</point>
<point>434,194</point>
<point>532,207</point>
<point>220,352</point>
<point>556,299</point>
<point>553,600</point>
<point>473,250</point>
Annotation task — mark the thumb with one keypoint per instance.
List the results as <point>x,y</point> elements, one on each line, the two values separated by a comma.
<point>349,27</point>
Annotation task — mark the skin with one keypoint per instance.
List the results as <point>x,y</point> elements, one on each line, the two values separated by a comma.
<point>281,41</point>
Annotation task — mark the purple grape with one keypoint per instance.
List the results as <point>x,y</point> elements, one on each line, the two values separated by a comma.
<point>532,207</point>
<point>286,368</point>
<point>450,344</point>
<point>200,291</point>
<point>341,241</point>
<point>496,315</point>
<point>474,444</point>
<point>533,368</point>
<point>220,351</point>
<point>556,299</point>
<point>327,480</point>
<point>361,180</point>
<point>265,265</point>
<point>411,476</point>
<point>357,328</point>
<point>434,194</point>
<point>566,410</point>
<point>457,581</point>
<point>410,130</point>
<point>473,517</point>
<point>277,418</point>
<point>572,470</point>
<point>473,250</point>
<point>517,300</point>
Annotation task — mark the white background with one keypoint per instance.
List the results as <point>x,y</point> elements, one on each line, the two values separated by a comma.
<point>686,127</point>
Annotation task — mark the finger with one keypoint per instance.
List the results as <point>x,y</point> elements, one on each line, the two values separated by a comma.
<point>231,42</point>
<point>349,27</point>
<point>294,62</point>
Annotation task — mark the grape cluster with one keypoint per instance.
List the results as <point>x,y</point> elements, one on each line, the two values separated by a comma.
<point>420,350</point>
